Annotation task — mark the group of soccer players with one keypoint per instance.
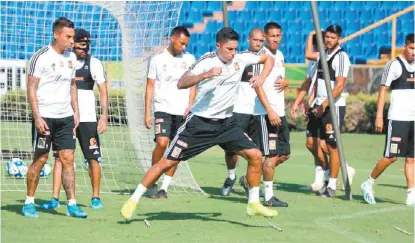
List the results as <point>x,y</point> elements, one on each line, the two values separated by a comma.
<point>226,98</point>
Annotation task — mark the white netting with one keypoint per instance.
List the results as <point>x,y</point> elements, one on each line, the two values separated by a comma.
<point>124,35</point>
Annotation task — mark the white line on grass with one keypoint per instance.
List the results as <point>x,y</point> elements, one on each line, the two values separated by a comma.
<point>322,222</point>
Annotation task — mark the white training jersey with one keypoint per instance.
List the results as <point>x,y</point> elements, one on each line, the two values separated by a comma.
<point>340,66</point>
<point>86,97</point>
<point>216,96</point>
<point>402,104</point>
<point>56,72</point>
<point>275,98</point>
<point>166,70</point>
<point>245,100</point>
<point>312,66</point>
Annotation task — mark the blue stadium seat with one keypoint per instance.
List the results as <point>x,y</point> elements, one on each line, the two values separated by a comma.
<point>245,15</point>
<point>354,5</point>
<point>296,5</point>
<point>211,27</point>
<point>372,5</point>
<point>351,15</point>
<point>368,37</point>
<point>305,15</point>
<point>383,38</point>
<point>366,15</point>
<point>194,17</point>
<point>251,5</point>
<point>238,26</point>
<point>295,27</point>
<point>325,5</point>
<point>265,5</point>
<point>186,6</point>
<point>370,51</point>
<point>307,27</point>
<point>336,15</point>
<point>323,14</point>
<point>280,5</point>
<point>407,26</point>
<point>408,16</point>
<point>233,15</point>
<point>341,5</point>
<point>291,14</point>
<point>352,25</point>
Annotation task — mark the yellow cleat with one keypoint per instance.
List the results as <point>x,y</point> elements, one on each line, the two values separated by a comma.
<point>128,209</point>
<point>256,208</point>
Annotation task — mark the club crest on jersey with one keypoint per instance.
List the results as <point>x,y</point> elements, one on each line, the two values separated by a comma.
<point>184,66</point>
<point>53,66</point>
<point>61,64</point>
<point>236,66</point>
<point>70,64</point>
<point>165,68</point>
<point>176,152</point>
<point>41,143</point>
<point>93,144</point>
<point>272,144</point>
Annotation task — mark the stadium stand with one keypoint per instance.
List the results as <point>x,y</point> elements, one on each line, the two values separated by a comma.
<point>295,18</point>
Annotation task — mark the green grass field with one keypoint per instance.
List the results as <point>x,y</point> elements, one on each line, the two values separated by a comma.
<point>222,219</point>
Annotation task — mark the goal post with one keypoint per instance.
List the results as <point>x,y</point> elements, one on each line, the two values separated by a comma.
<point>124,35</point>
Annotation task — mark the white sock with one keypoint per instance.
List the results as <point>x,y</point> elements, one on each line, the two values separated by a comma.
<point>326,175</point>
<point>166,182</point>
<point>370,181</point>
<point>411,190</point>
<point>29,200</point>
<point>71,202</point>
<point>319,175</point>
<point>332,183</point>
<point>231,174</point>
<point>139,191</point>
<point>268,190</point>
<point>253,194</point>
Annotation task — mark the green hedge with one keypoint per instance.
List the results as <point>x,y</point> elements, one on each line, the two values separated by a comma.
<point>360,113</point>
<point>15,106</point>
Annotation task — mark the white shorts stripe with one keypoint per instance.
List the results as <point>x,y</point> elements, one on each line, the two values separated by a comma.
<point>34,140</point>
<point>388,141</point>
<point>265,139</point>
<point>176,137</point>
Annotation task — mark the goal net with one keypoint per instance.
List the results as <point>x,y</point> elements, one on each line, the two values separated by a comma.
<point>124,35</point>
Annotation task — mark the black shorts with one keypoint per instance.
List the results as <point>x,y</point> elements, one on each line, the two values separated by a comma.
<point>272,140</point>
<point>323,127</point>
<point>166,125</point>
<point>198,134</point>
<point>399,139</point>
<point>60,135</point>
<point>88,138</point>
<point>245,122</point>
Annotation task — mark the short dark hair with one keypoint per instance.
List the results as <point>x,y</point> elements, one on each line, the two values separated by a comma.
<point>315,38</point>
<point>336,29</point>
<point>226,34</point>
<point>179,30</point>
<point>271,25</point>
<point>409,39</point>
<point>81,34</point>
<point>62,22</point>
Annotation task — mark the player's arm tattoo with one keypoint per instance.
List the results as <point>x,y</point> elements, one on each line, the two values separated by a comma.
<point>103,98</point>
<point>74,96</point>
<point>189,79</point>
<point>31,85</point>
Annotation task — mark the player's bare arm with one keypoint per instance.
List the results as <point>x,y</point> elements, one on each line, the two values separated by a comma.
<point>268,62</point>
<point>192,96</point>
<point>305,86</point>
<point>310,54</point>
<point>103,99</point>
<point>281,84</point>
<point>32,84</point>
<point>148,99</point>
<point>337,90</point>
<point>74,103</point>
<point>189,79</point>
<point>272,115</point>
<point>383,90</point>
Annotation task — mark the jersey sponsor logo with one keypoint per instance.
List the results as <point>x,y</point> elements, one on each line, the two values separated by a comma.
<point>53,67</point>
<point>396,139</point>
<point>181,143</point>
<point>272,135</point>
<point>93,144</point>
<point>41,143</point>
<point>329,129</point>
<point>79,78</point>
<point>236,66</point>
<point>272,145</point>
<point>61,64</point>
<point>176,152</point>
<point>159,120</point>
<point>70,64</point>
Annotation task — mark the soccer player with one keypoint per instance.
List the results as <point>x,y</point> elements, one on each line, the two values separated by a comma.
<point>244,108</point>
<point>170,103</point>
<point>89,71</point>
<point>217,77</point>
<point>53,96</point>
<point>399,76</point>
<point>273,135</point>
<point>320,123</point>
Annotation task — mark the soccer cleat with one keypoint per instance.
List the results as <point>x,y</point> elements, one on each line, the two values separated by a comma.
<point>316,186</point>
<point>329,192</point>
<point>152,192</point>
<point>162,194</point>
<point>367,193</point>
<point>410,198</point>
<point>29,211</point>
<point>244,183</point>
<point>96,203</point>
<point>321,191</point>
<point>275,202</point>
<point>257,209</point>
<point>51,204</point>
<point>128,209</point>
<point>227,186</point>
<point>75,211</point>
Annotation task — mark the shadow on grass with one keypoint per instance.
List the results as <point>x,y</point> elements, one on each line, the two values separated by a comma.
<point>208,217</point>
<point>393,186</point>
<point>378,200</point>
<point>17,208</point>
<point>293,187</point>
<point>235,196</point>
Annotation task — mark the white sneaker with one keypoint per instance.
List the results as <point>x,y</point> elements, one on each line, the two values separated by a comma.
<point>367,193</point>
<point>316,186</point>
<point>410,198</point>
